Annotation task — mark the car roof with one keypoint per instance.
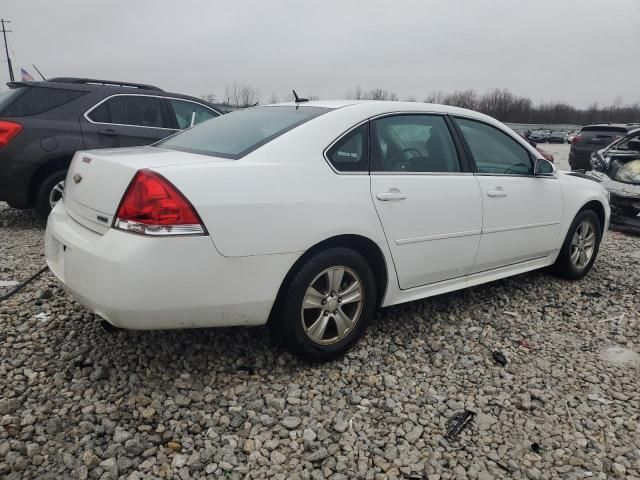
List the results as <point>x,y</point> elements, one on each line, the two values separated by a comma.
<point>108,88</point>
<point>626,126</point>
<point>380,107</point>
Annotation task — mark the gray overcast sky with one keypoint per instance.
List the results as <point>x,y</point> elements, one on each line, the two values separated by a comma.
<point>578,51</point>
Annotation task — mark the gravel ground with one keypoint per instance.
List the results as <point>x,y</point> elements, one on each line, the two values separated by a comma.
<point>78,402</point>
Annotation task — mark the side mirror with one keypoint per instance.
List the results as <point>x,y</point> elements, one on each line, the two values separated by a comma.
<point>543,168</point>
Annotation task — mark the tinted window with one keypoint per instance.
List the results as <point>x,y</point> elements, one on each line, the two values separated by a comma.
<point>350,153</point>
<point>603,128</point>
<point>235,134</point>
<point>413,143</point>
<point>188,114</point>
<point>134,110</point>
<point>33,100</point>
<point>493,150</point>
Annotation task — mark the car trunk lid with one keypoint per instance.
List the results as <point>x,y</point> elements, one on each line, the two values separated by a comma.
<point>97,180</point>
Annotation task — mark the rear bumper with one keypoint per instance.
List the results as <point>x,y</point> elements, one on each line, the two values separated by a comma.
<point>143,283</point>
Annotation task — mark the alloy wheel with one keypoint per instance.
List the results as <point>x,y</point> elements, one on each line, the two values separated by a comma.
<point>583,245</point>
<point>332,305</point>
<point>56,193</point>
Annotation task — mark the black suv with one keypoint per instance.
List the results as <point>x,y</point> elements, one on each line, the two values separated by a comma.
<point>42,124</point>
<point>592,138</point>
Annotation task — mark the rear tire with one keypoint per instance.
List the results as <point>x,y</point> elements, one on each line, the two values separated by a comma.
<point>580,247</point>
<point>49,193</point>
<point>327,305</point>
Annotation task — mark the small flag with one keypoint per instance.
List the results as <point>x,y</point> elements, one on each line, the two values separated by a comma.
<point>26,76</point>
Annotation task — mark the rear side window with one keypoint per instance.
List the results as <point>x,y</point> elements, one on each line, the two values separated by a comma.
<point>134,110</point>
<point>236,134</point>
<point>34,100</point>
<point>350,153</point>
<point>188,114</point>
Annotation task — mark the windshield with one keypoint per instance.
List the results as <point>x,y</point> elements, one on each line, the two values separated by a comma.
<point>238,133</point>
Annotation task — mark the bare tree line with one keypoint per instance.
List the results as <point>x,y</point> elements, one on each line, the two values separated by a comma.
<point>508,107</point>
<point>498,103</point>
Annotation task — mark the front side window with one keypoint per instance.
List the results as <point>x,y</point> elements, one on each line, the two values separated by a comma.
<point>188,114</point>
<point>237,133</point>
<point>413,143</point>
<point>350,153</point>
<point>495,151</point>
<point>135,110</point>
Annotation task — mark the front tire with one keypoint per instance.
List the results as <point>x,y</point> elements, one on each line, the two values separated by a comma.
<point>49,193</point>
<point>327,305</point>
<point>580,247</point>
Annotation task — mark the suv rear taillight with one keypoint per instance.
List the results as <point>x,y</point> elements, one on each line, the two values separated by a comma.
<point>576,139</point>
<point>8,130</point>
<point>151,205</point>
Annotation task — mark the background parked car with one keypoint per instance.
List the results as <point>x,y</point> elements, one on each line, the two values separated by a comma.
<point>546,155</point>
<point>618,167</point>
<point>557,137</point>
<point>42,124</point>
<point>592,138</point>
<point>539,136</point>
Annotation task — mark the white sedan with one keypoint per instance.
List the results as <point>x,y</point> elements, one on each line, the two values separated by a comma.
<point>309,216</point>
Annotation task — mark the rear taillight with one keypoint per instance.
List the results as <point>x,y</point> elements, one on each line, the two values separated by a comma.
<point>151,205</point>
<point>576,139</point>
<point>8,130</point>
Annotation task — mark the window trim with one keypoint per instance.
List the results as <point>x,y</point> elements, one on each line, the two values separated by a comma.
<point>474,166</point>
<point>463,157</point>
<point>465,166</point>
<point>161,97</point>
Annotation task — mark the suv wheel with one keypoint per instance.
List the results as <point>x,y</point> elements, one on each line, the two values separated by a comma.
<point>50,192</point>
<point>327,305</point>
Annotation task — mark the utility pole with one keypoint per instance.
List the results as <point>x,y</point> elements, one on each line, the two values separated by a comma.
<point>6,49</point>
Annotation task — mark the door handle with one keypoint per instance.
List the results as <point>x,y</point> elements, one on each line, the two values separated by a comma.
<point>109,132</point>
<point>387,196</point>
<point>498,192</point>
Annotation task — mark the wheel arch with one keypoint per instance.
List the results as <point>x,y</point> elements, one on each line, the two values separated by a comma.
<point>361,244</point>
<point>598,208</point>
<point>60,162</point>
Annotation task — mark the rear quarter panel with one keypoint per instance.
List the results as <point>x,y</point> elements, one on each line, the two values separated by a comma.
<point>282,198</point>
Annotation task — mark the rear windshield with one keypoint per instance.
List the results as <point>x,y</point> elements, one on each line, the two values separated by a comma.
<point>25,101</point>
<point>236,134</point>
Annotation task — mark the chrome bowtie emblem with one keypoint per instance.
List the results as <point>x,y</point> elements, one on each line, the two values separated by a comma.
<point>77,178</point>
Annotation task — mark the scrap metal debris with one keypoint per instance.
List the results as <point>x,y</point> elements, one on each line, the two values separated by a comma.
<point>499,358</point>
<point>457,423</point>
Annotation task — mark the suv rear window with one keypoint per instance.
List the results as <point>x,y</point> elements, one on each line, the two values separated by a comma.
<point>603,128</point>
<point>236,134</point>
<point>34,100</point>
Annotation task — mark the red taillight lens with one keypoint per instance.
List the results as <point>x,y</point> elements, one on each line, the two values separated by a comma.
<point>153,206</point>
<point>575,139</point>
<point>8,130</point>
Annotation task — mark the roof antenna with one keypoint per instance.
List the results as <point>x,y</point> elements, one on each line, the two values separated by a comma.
<point>43,79</point>
<point>298,99</point>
